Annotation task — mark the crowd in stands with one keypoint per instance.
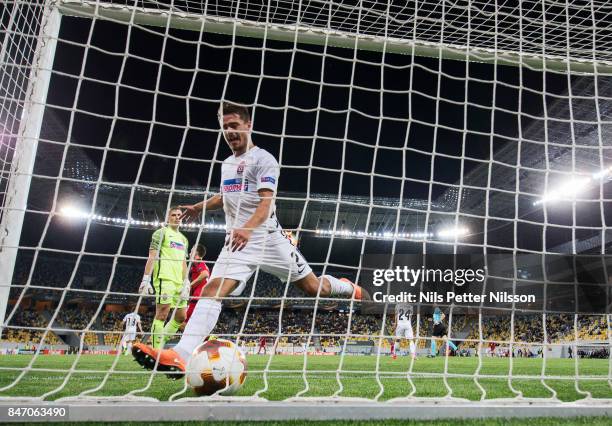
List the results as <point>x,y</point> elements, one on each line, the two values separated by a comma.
<point>270,291</point>
<point>529,329</point>
<point>294,326</point>
<point>54,272</point>
<point>333,326</point>
<point>330,328</point>
<point>28,318</point>
<point>112,321</point>
<point>79,319</point>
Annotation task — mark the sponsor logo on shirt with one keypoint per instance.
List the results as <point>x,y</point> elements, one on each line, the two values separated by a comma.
<point>234,185</point>
<point>177,245</point>
<point>240,168</point>
<point>268,179</point>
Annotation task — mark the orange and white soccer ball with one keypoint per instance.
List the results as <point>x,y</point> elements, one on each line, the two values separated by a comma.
<point>217,365</point>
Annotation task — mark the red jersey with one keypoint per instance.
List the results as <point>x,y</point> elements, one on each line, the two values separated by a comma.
<point>262,341</point>
<point>196,269</point>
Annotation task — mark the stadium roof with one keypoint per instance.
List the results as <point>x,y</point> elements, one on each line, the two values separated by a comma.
<point>149,201</point>
<point>560,152</point>
<point>585,155</point>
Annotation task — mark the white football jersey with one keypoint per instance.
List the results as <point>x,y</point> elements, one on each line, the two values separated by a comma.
<point>241,178</point>
<point>403,312</point>
<point>131,320</point>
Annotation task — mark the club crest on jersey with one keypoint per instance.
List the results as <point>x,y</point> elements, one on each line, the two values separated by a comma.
<point>177,245</point>
<point>235,185</point>
<point>240,168</point>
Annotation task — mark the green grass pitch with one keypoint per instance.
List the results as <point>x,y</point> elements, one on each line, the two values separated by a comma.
<point>285,378</point>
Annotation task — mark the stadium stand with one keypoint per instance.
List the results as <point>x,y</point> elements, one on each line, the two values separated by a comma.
<point>53,272</point>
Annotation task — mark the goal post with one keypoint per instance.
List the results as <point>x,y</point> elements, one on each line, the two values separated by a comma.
<point>426,128</point>
<point>298,32</point>
<point>21,148</point>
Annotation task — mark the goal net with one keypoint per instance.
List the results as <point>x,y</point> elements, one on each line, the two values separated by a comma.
<point>437,129</point>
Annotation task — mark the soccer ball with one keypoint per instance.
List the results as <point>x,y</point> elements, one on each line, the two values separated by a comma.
<point>216,365</point>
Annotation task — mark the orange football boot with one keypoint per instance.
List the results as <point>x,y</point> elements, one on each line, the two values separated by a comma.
<point>166,360</point>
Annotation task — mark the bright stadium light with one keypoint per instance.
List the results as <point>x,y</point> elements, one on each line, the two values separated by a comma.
<point>453,232</point>
<point>572,187</point>
<point>604,174</point>
<point>382,235</point>
<point>71,211</point>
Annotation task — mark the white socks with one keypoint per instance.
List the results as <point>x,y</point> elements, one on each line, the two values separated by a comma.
<point>202,321</point>
<point>339,288</point>
<point>412,348</point>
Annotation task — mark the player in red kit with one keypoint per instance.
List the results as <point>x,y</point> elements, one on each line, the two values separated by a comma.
<point>262,345</point>
<point>198,274</point>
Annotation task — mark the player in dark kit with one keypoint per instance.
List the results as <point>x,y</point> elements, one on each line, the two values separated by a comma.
<point>439,331</point>
<point>198,275</point>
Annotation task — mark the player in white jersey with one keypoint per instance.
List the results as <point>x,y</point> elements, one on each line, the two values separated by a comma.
<point>249,179</point>
<point>132,322</point>
<point>403,329</point>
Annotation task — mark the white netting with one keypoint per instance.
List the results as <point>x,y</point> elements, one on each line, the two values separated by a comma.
<point>385,146</point>
<point>20,24</point>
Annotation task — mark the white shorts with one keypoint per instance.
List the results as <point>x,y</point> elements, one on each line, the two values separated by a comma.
<point>404,330</point>
<point>129,335</point>
<point>273,253</point>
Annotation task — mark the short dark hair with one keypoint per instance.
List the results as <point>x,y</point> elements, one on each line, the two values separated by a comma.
<point>200,250</point>
<point>240,110</point>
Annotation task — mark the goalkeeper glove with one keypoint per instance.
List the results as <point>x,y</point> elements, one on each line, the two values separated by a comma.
<point>145,286</point>
<point>186,289</point>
